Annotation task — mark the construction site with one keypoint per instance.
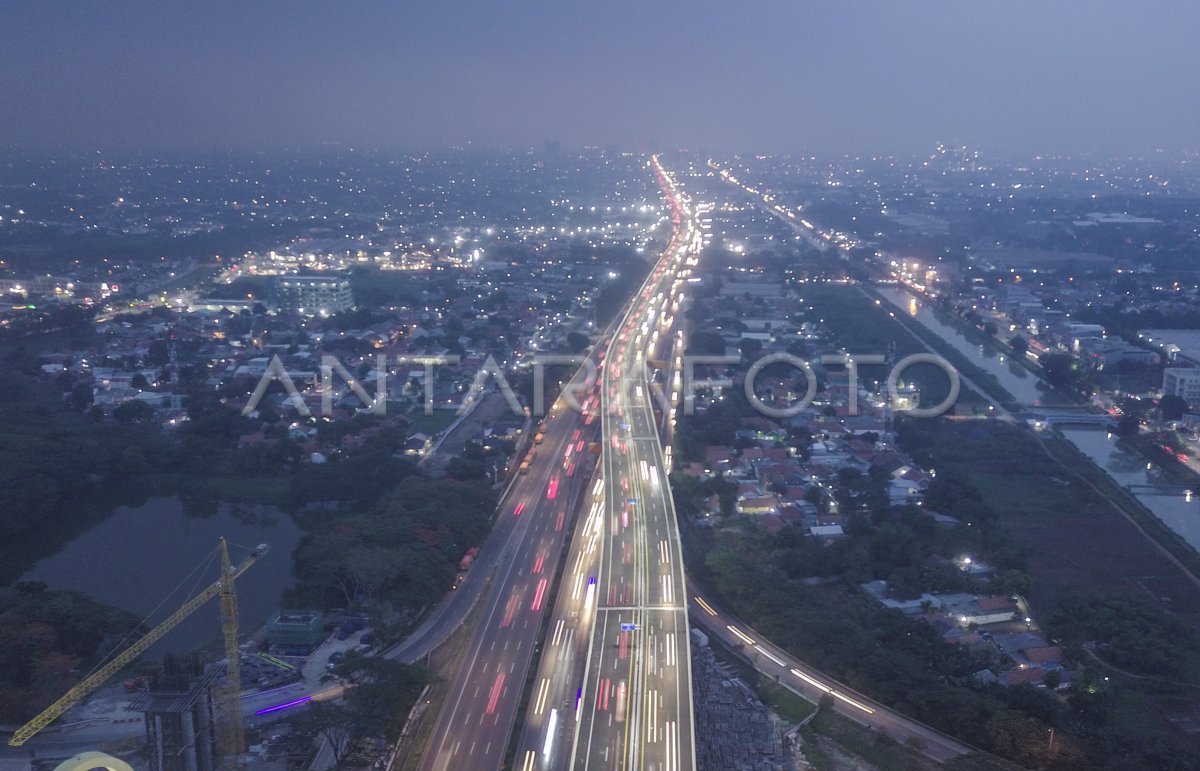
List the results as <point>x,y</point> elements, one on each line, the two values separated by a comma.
<point>197,712</point>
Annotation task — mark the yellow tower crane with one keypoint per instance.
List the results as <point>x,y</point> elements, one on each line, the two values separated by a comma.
<point>228,720</point>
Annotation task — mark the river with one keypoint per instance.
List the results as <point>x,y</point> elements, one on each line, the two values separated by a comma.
<point>136,556</point>
<point>1125,467</point>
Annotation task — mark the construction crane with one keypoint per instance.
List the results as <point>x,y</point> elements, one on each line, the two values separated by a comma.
<point>228,720</point>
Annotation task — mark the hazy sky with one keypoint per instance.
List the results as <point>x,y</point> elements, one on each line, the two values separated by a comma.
<point>837,76</point>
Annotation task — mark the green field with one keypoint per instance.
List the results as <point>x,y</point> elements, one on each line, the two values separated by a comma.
<point>860,326</point>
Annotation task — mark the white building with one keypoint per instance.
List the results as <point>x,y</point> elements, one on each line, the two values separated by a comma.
<point>312,295</point>
<point>1184,382</point>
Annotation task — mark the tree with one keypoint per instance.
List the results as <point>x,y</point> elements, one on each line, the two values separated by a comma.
<point>159,352</point>
<point>577,341</point>
<point>132,411</point>
<point>462,468</point>
<point>1018,344</point>
<point>139,381</point>
<point>1014,582</point>
<point>1172,407</point>
<point>1059,369</point>
<point>370,568</point>
<point>750,347</point>
<point>132,461</point>
<point>706,344</point>
<point>384,692</point>
<point>332,721</point>
<point>15,388</point>
<point>81,396</point>
<point>1128,425</point>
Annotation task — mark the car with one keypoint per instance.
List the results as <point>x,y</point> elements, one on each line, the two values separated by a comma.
<point>367,639</point>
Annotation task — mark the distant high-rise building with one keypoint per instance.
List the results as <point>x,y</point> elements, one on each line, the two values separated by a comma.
<point>312,295</point>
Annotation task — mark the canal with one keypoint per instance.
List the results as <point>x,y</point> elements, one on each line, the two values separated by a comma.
<point>1180,513</point>
<point>1015,377</point>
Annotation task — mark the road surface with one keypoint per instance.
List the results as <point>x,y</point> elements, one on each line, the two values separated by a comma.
<point>614,688</point>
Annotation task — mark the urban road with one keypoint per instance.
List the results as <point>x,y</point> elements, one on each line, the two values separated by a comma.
<point>477,719</point>
<point>613,689</point>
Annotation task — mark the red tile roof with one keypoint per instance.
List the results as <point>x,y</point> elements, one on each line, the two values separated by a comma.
<point>1050,654</point>
<point>1023,676</point>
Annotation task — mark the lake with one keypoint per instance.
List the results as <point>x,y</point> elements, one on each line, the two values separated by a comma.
<point>137,556</point>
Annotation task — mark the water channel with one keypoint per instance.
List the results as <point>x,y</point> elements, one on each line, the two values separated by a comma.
<point>1015,377</point>
<point>1179,512</point>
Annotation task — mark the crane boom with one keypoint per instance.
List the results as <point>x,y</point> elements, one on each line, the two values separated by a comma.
<point>97,678</point>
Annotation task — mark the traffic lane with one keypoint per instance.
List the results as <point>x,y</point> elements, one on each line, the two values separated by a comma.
<point>453,610</point>
<point>459,742</point>
<point>641,700</point>
<point>556,686</point>
<point>655,721</point>
<point>666,635</point>
<point>615,588</point>
<point>458,730</point>
<point>495,690</point>
<point>606,705</point>
<point>559,679</point>
<point>606,730</point>
<point>676,685</point>
<point>551,493</point>
<point>495,646</point>
<point>636,534</point>
<point>665,669</point>
<point>484,745</point>
<point>508,698</point>
<point>807,681</point>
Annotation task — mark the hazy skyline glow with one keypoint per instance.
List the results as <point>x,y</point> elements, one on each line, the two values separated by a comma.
<point>865,77</point>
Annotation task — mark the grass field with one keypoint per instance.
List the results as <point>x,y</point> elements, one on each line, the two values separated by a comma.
<point>433,424</point>
<point>1063,512</point>
<point>861,326</point>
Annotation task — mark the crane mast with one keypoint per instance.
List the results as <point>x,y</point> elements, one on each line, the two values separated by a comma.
<point>231,738</point>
